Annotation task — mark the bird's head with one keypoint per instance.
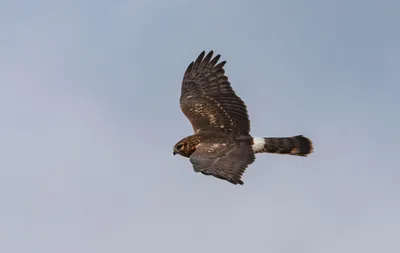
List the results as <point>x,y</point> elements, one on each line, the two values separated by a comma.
<point>184,148</point>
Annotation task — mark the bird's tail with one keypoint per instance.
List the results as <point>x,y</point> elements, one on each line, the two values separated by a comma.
<point>295,145</point>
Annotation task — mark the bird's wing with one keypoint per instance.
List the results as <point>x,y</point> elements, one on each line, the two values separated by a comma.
<point>225,160</point>
<point>208,100</point>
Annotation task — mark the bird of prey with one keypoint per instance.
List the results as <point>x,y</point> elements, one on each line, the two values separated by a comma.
<point>221,145</point>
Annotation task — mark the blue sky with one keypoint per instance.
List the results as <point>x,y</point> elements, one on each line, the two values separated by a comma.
<point>89,100</point>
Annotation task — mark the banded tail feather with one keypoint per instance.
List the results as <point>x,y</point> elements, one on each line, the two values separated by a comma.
<point>295,145</point>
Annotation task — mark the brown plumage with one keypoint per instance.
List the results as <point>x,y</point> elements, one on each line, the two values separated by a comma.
<point>296,145</point>
<point>221,145</point>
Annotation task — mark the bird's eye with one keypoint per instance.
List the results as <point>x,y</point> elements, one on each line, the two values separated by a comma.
<point>180,146</point>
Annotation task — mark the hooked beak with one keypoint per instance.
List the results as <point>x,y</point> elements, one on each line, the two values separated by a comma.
<point>175,152</point>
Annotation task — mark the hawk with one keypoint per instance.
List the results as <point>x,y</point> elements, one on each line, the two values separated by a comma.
<point>221,145</point>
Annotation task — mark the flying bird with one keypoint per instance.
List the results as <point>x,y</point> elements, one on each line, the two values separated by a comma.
<point>221,145</point>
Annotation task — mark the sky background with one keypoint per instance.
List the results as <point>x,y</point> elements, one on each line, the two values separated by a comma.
<point>89,107</point>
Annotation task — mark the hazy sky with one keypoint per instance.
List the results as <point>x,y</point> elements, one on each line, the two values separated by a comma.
<point>89,106</point>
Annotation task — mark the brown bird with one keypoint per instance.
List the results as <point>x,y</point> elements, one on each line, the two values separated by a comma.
<point>221,145</point>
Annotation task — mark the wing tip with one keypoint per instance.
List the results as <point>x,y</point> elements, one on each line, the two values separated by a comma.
<point>204,59</point>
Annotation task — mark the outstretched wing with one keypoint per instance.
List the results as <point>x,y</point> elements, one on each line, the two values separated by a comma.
<point>208,100</point>
<point>226,160</point>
